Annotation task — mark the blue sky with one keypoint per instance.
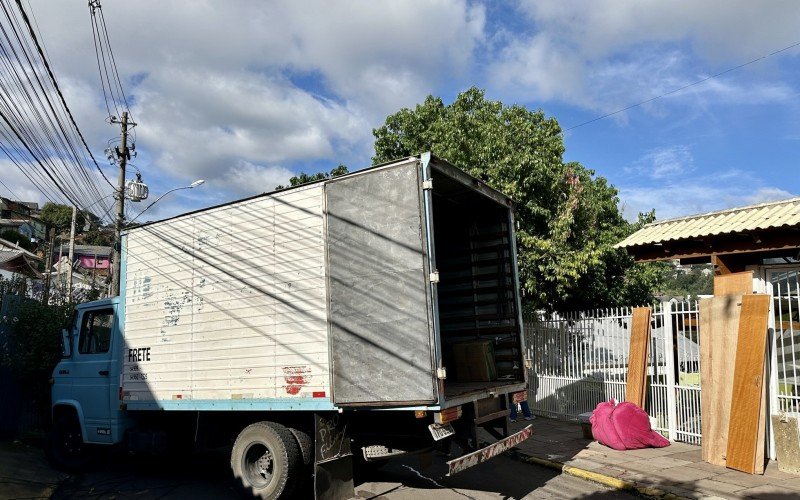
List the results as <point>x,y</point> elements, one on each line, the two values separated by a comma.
<point>245,94</point>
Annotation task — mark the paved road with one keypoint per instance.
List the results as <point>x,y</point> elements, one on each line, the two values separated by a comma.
<point>500,478</point>
<point>129,477</point>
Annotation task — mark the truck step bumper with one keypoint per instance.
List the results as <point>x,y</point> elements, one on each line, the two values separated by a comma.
<point>476,457</point>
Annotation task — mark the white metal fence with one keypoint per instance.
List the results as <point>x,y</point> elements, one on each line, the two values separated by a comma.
<point>785,322</point>
<point>581,359</point>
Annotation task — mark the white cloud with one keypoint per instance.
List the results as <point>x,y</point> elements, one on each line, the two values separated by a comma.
<point>664,162</point>
<point>686,195</point>
<point>205,124</point>
<point>718,29</point>
<point>218,85</point>
<point>15,185</point>
<point>666,180</point>
<point>617,53</point>
<point>766,194</point>
<point>247,176</point>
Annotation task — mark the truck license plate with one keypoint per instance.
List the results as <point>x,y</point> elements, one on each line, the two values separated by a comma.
<point>441,431</point>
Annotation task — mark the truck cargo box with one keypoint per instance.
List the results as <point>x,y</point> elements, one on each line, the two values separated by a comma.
<point>353,291</point>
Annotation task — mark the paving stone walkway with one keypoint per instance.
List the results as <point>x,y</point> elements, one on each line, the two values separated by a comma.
<point>677,469</point>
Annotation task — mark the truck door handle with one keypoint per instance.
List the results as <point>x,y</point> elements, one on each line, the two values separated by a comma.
<point>103,373</point>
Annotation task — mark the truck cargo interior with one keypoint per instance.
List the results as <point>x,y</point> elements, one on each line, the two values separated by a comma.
<point>479,320</point>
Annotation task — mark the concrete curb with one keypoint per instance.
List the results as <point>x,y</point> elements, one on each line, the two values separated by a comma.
<point>610,481</point>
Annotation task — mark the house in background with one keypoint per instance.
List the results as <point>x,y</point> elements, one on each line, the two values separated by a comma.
<point>16,260</point>
<point>21,216</point>
<point>87,259</point>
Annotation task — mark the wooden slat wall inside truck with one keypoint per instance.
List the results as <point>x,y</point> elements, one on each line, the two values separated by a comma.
<point>231,303</point>
<point>379,303</point>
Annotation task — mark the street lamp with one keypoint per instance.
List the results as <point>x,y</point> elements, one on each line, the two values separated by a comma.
<point>193,185</point>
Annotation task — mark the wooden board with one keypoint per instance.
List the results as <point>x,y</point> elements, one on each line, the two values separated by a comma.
<point>748,386</point>
<point>734,284</point>
<point>636,387</point>
<point>719,320</point>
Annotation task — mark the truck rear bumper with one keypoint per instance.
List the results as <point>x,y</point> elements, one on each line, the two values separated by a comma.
<point>476,457</point>
<point>462,393</point>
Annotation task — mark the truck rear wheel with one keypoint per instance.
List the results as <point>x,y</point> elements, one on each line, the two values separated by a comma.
<point>266,460</point>
<point>65,447</point>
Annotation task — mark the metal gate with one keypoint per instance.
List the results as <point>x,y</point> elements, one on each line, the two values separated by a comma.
<point>581,359</point>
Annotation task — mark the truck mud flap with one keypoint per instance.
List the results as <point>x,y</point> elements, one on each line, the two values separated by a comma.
<point>476,457</point>
<point>333,458</point>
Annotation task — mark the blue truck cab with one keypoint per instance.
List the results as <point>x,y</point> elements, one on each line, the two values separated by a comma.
<point>85,387</point>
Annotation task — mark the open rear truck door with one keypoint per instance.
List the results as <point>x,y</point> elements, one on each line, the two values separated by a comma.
<point>379,284</point>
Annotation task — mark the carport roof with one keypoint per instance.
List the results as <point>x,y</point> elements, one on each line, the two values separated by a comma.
<point>773,215</point>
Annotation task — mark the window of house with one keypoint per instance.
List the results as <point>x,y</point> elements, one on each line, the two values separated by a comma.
<point>95,336</point>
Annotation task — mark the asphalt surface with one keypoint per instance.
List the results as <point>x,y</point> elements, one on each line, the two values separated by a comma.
<point>207,477</point>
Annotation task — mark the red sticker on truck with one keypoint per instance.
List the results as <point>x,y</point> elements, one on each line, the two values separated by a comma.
<point>295,377</point>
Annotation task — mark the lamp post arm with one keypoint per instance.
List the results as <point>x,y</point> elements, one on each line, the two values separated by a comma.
<point>156,201</point>
<point>193,185</point>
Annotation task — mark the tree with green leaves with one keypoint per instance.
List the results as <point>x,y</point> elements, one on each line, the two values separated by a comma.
<point>60,216</point>
<point>304,178</point>
<point>568,216</point>
<point>687,282</point>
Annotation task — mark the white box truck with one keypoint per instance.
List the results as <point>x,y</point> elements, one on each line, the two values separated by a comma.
<point>367,316</point>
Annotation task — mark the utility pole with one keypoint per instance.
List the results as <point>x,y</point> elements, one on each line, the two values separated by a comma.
<point>123,155</point>
<point>60,256</point>
<point>48,267</point>
<point>71,252</point>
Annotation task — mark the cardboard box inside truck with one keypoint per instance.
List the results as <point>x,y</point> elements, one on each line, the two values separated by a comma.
<point>474,361</point>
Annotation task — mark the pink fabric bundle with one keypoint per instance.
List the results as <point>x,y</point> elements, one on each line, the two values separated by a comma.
<point>624,427</point>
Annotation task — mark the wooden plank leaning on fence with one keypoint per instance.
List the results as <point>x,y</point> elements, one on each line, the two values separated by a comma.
<point>636,386</point>
<point>719,324</point>
<point>746,426</point>
<point>733,284</point>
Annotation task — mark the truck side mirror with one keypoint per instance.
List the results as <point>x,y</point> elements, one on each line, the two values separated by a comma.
<point>66,344</point>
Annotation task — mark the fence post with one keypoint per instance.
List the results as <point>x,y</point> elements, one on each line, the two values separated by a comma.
<point>773,407</point>
<point>669,358</point>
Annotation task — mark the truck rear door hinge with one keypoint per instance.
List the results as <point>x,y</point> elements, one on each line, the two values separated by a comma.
<point>427,184</point>
<point>434,277</point>
<point>441,373</point>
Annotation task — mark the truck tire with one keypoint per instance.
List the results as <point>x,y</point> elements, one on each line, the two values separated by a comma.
<point>266,461</point>
<point>65,447</point>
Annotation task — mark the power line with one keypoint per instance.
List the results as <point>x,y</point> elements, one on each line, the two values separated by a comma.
<point>12,193</point>
<point>100,54</point>
<point>97,57</point>
<point>58,89</point>
<point>40,130</point>
<point>113,61</point>
<point>61,135</point>
<point>107,67</point>
<point>698,82</point>
<point>8,117</point>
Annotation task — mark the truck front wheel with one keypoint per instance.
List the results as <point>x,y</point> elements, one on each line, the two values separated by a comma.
<point>266,460</point>
<point>65,447</point>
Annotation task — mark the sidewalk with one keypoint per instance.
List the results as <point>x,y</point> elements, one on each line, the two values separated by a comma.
<point>677,470</point>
